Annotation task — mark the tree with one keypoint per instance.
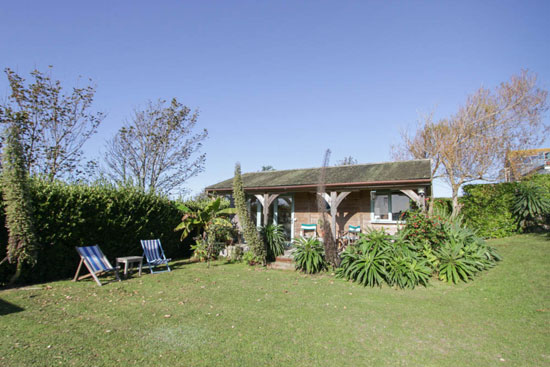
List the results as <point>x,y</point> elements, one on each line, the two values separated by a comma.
<point>250,233</point>
<point>472,144</point>
<point>56,124</point>
<point>268,168</point>
<point>22,244</point>
<point>347,161</point>
<point>157,149</point>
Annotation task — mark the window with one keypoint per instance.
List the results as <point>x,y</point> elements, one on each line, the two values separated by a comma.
<point>388,206</point>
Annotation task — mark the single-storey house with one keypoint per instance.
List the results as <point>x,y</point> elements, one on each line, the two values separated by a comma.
<point>362,195</point>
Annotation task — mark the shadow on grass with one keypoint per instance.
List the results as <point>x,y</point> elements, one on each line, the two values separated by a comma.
<point>7,308</point>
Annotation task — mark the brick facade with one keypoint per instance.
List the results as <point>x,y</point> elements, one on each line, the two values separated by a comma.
<point>354,210</point>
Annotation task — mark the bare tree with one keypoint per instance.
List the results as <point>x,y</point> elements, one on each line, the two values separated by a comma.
<point>157,149</point>
<point>472,144</point>
<point>56,124</point>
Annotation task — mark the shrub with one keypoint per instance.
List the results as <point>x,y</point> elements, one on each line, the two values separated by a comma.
<point>420,228</point>
<point>250,258</point>
<point>309,255</point>
<point>274,237</point>
<point>366,260</point>
<point>426,246</point>
<point>531,204</point>
<point>487,209</point>
<point>66,216</point>
<point>377,257</point>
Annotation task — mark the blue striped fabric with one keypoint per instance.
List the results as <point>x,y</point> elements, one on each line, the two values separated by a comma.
<point>354,229</point>
<point>153,252</point>
<point>94,257</point>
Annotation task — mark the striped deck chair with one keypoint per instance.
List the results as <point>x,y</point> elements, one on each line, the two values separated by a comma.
<point>154,254</point>
<point>95,261</point>
<point>308,227</point>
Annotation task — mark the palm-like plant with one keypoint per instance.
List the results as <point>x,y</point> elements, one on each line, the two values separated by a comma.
<point>274,238</point>
<point>309,255</point>
<point>530,203</point>
<point>365,262</point>
<point>454,263</point>
<point>211,221</point>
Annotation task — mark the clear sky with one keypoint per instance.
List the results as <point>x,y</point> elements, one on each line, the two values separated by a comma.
<point>278,82</point>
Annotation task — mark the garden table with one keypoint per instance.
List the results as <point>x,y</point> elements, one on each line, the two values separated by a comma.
<point>128,261</point>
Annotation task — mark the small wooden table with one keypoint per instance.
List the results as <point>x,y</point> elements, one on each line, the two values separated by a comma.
<point>128,261</point>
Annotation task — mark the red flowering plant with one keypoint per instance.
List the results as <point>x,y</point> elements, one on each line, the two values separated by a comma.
<point>421,229</point>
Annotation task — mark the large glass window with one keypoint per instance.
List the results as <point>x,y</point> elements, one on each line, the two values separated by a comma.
<point>389,206</point>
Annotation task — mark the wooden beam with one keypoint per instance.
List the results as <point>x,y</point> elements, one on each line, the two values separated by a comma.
<point>266,200</point>
<point>414,196</point>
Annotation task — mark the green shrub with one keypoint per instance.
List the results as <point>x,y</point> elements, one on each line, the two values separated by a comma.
<point>531,205</point>
<point>274,237</point>
<point>377,258</point>
<point>421,228</point>
<point>251,259</point>
<point>487,209</point>
<point>66,216</point>
<point>309,255</point>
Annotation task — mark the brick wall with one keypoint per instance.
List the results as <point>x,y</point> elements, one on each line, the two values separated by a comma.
<point>354,210</point>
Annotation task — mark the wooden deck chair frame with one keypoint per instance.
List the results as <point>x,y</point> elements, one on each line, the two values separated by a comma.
<point>154,255</point>
<point>96,263</point>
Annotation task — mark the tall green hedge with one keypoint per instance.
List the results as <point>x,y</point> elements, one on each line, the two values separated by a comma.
<point>66,216</point>
<point>487,208</point>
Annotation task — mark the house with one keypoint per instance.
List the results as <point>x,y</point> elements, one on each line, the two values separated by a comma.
<point>521,163</point>
<point>365,195</point>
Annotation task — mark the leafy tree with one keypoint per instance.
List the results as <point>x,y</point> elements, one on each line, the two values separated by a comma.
<point>22,244</point>
<point>268,168</point>
<point>56,124</point>
<point>472,144</point>
<point>156,150</point>
<point>250,233</point>
<point>347,161</point>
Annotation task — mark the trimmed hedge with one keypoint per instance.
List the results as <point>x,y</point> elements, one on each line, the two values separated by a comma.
<point>66,216</point>
<point>487,209</point>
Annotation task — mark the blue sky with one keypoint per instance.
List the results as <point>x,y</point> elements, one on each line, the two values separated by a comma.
<point>278,82</point>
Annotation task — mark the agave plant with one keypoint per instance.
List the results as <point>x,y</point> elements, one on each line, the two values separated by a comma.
<point>274,238</point>
<point>309,255</point>
<point>454,263</point>
<point>530,203</point>
<point>405,269</point>
<point>366,260</point>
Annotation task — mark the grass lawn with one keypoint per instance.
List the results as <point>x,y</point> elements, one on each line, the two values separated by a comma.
<point>234,315</point>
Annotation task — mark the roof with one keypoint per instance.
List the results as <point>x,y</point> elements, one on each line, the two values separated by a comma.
<point>353,175</point>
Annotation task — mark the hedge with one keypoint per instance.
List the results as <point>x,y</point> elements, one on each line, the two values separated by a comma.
<point>487,209</point>
<point>66,216</point>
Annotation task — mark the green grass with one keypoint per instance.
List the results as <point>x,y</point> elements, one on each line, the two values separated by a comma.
<point>233,315</point>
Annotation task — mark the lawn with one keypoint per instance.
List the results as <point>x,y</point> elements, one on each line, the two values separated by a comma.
<point>234,315</point>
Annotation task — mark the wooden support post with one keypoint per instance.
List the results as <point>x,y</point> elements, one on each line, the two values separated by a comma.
<point>335,201</point>
<point>266,200</point>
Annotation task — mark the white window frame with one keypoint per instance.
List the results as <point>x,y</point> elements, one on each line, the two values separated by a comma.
<point>387,193</point>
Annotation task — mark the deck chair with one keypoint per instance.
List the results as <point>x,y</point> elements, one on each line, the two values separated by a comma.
<point>308,228</point>
<point>95,262</point>
<point>154,255</point>
<point>353,232</point>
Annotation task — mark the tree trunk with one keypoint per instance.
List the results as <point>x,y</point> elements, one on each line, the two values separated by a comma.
<point>456,206</point>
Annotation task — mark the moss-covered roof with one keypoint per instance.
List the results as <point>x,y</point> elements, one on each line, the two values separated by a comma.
<point>355,174</point>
